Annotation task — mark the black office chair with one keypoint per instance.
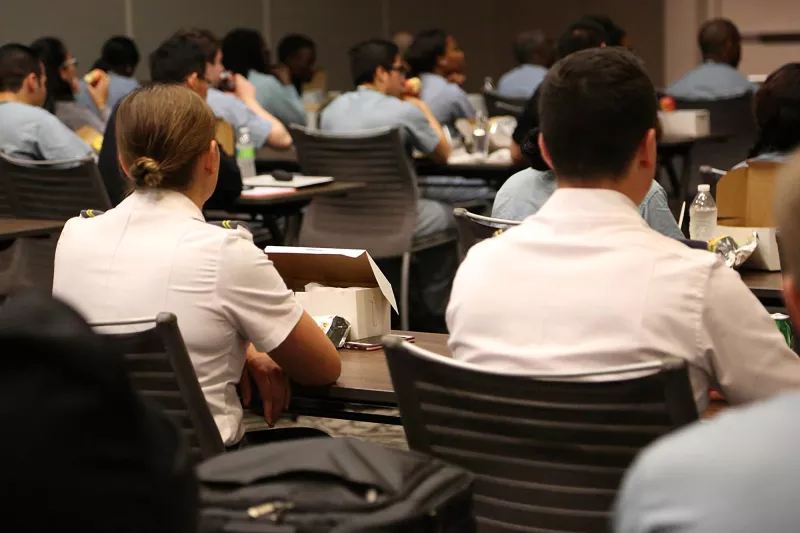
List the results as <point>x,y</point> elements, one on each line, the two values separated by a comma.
<point>497,106</point>
<point>548,451</point>
<point>50,190</point>
<point>473,228</point>
<point>160,369</point>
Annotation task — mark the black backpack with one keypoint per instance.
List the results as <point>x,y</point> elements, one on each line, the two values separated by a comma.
<point>333,485</point>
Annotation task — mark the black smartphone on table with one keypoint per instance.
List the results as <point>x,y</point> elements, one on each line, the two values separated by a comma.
<point>373,343</point>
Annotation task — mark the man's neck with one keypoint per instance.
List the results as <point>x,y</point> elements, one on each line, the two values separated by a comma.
<point>620,185</point>
<point>11,97</point>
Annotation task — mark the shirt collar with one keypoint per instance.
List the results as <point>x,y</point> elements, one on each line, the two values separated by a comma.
<point>162,200</point>
<point>591,203</point>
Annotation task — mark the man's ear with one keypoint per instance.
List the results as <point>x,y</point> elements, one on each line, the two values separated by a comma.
<point>648,158</point>
<point>545,153</point>
<point>31,83</point>
<point>192,81</point>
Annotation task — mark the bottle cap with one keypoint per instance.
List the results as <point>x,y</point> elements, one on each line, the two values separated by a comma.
<point>704,187</point>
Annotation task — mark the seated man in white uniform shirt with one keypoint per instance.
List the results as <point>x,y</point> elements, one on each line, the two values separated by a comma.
<point>155,253</point>
<point>585,284</point>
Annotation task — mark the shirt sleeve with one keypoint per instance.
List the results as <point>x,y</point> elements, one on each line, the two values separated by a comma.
<point>56,141</point>
<point>655,210</point>
<point>463,107</point>
<point>748,354</point>
<point>419,131</point>
<point>252,294</point>
<point>237,114</point>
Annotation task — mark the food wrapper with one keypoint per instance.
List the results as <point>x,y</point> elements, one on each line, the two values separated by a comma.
<point>732,254</point>
<point>335,327</point>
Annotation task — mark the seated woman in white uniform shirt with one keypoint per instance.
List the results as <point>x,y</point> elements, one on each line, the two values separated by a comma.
<point>154,252</point>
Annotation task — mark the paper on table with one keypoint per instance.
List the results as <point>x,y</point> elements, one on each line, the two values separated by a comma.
<point>266,192</point>
<point>267,180</point>
<point>315,251</point>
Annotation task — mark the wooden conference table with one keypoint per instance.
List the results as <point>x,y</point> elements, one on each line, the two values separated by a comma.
<point>365,381</point>
<point>12,229</point>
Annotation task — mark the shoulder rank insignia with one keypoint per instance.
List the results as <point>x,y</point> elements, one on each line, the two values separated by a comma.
<point>230,224</point>
<point>498,232</point>
<point>91,213</point>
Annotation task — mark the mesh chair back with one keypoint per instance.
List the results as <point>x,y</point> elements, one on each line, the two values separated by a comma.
<point>497,106</point>
<point>380,218</point>
<point>473,228</point>
<point>548,452</point>
<point>160,369</point>
<point>733,117</point>
<point>48,190</point>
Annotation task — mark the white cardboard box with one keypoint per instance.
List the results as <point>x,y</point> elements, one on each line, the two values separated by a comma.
<point>354,286</point>
<point>685,123</point>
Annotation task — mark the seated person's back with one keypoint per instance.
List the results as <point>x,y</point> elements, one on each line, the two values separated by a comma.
<point>27,131</point>
<point>224,291</point>
<point>433,56</point>
<point>717,78</point>
<point>524,193</point>
<point>534,53</point>
<point>777,112</point>
<point>585,284</point>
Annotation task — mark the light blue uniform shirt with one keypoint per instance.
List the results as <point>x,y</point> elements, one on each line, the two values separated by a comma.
<point>521,82</point>
<point>447,101</point>
<point>281,101</point>
<point>236,113</point>
<point>31,133</point>
<point>769,157</point>
<point>711,81</point>
<point>118,88</point>
<point>737,473</point>
<point>367,109</point>
<point>527,191</point>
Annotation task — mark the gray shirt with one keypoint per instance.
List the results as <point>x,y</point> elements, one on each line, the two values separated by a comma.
<point>521,82</point>
<point>447,101</point>
<point>30,132</point>
<point>527,191</point>
<point>367,109</point>
<point>737,473</point>
<point>712,81</point>
<point>76,116</point>
<point>281,101</point>
<point>236,113</point>
<point>118,88</point>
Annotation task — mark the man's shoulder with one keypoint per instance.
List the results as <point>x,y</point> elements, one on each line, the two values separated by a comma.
<point>27,112</point>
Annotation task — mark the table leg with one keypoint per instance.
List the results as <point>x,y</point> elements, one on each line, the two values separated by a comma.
<point>686,175</point>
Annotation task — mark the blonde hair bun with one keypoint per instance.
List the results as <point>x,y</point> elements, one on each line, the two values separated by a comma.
<point>146,172</point>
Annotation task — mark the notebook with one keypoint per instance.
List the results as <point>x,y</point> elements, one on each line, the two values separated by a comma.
<point>266,180</point>
<point>267,192</point>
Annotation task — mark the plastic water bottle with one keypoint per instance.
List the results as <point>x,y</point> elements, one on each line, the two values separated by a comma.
<point>245,153</point>
<point>703,215</point>
<point>480,135</point>
<point>488,86</point>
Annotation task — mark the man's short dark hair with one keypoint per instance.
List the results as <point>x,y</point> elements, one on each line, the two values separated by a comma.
<point>119,55</point>
<point>244,50</point>
<point>176,59</point>
<point>366,57</point>
<point>596,107</point>
<point>532,46</point>
<point>714,37</point>
<point>580,35</point>
<point>615,33</point>
<point>777,110</point>
<point>17,62</point>
<point>424,53</point>
<point>292,44</point>
<point>205,39</point>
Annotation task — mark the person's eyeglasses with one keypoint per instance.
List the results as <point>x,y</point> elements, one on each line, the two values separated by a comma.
<point>71,62</point>
<point>400,69</point>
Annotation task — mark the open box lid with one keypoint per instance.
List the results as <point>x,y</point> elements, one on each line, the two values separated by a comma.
<point>334,267</point>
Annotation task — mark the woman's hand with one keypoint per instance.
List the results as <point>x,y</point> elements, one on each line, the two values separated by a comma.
<point>98,89</point>
<point>272,383</point>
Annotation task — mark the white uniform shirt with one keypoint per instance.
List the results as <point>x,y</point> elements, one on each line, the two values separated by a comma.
<point>154,252</point>
<point>586,284</point>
